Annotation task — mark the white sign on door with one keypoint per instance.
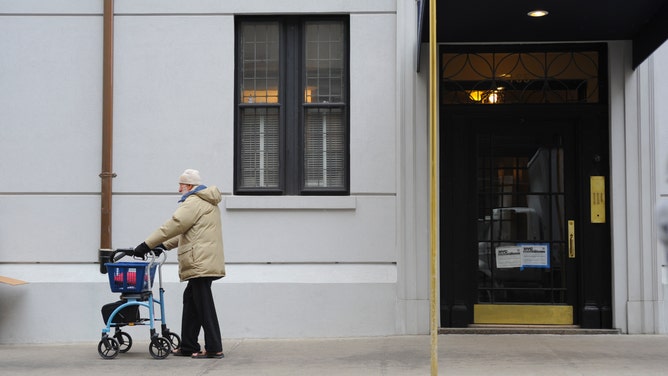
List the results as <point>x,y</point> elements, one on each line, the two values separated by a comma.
<point>522,256</point>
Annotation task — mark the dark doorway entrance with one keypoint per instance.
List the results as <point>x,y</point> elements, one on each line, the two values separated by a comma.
<point>523,170</point>
<point>519,243</point>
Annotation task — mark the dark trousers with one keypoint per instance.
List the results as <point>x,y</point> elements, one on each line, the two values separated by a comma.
<point>199,311</point>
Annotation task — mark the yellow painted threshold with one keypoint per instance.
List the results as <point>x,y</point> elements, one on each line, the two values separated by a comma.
<point>522,314</point>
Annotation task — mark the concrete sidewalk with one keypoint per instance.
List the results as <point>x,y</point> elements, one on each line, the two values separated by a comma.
<point>459,354</point>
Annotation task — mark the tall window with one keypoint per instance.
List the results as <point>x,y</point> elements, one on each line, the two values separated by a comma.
<point>292,106</point>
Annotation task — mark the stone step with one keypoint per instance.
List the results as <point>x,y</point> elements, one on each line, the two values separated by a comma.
<point>525,329</point>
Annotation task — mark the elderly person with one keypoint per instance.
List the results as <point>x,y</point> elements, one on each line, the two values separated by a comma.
<point>195,228</point>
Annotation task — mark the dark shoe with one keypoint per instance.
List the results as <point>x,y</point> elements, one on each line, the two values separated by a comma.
<point>179,352</point>
<point>205,355</point>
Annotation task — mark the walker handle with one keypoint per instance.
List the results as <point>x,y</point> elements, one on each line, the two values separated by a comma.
<point>120,253</point>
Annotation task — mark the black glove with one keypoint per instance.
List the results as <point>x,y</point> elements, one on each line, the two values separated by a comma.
<point>141,250</point>
<point>157,251</point>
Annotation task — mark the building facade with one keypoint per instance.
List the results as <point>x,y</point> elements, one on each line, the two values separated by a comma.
<point>326,209</point>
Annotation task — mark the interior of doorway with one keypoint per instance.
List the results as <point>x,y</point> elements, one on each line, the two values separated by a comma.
<point>589,296</point>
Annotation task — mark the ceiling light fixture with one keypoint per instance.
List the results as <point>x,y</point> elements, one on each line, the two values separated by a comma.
<point>538,13</point>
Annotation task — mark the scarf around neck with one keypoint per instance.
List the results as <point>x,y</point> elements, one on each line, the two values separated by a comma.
<point>195,190</point>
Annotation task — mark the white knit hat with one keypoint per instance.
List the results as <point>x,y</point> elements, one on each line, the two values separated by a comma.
<point>190,176</point>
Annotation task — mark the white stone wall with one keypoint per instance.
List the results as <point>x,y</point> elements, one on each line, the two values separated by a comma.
<point>659,114</point>
<point>297,266</point>
<point>638,179</point>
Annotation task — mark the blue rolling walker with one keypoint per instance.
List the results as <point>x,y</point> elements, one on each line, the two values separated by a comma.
<point>134,280</point>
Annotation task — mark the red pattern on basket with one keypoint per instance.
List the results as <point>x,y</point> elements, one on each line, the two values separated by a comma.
<point>131,280</point>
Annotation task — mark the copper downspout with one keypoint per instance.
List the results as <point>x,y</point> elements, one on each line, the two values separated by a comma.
<point>107,173</point>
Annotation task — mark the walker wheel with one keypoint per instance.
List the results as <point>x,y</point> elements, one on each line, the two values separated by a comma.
<point>108,348</point>
<point>174,340</point>
<point>124,341</point>
<point>159,348</point>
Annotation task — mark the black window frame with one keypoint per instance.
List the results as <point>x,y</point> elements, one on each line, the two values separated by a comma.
<point>291,106</point>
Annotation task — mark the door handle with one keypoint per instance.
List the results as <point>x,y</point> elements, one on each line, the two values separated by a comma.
<point>571,239</point>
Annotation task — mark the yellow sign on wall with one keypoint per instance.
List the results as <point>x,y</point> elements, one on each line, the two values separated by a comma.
<point>597,188</point>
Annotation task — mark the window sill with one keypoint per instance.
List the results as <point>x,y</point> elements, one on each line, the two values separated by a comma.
<point>290,202</point>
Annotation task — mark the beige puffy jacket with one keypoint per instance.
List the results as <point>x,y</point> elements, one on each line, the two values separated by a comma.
<point>195,228</point>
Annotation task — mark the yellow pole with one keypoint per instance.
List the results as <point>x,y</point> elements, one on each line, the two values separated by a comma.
<point>433,184</point>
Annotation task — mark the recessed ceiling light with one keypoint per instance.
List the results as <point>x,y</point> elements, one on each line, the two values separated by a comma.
<point>538,13</point>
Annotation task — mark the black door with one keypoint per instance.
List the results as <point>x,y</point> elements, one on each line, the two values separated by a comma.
<point>518,244</point>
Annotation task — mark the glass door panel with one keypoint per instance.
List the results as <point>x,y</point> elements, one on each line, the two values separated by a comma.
<point>521,219</point>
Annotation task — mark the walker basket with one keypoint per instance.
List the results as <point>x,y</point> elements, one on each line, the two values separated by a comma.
<point>129,277</point>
